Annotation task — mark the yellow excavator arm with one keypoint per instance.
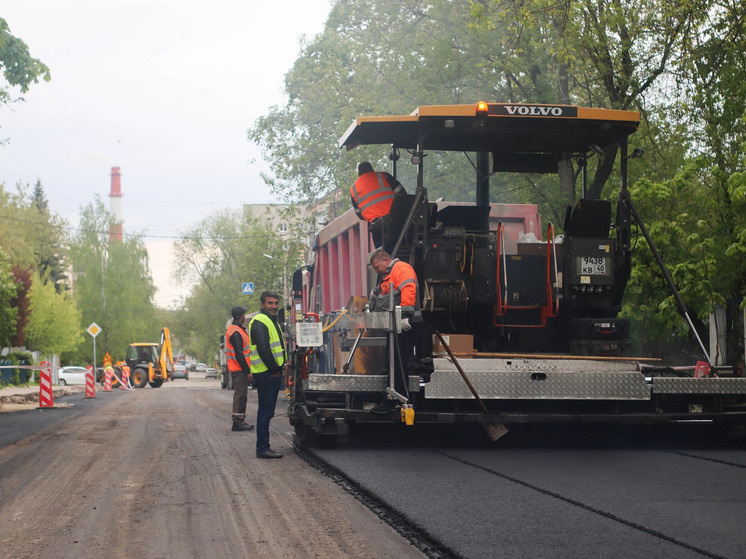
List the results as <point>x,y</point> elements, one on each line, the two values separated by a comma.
<point>166,358</point>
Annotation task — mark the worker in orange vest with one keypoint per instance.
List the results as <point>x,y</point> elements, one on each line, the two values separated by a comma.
<point>237,351</point>
<point>372,196</point>
<point>400,277</point>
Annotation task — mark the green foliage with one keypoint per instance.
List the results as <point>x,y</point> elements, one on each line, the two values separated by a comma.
<point>113,286</point>
<point>19,68</point>
<point>700,238</point>
<point>217,255</point>
<point>30,234</point>
<point>55,323</point>
<point>8,313</point>
<point>21,302</point>
<point>15,376</point>
<point>375,57</point>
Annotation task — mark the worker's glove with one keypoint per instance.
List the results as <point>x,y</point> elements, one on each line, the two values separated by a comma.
<point>405,325</point>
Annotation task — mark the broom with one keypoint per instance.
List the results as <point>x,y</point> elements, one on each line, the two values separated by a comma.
<point>494,430</point>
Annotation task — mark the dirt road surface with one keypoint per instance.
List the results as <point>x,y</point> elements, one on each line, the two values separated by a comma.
<point>157,473</point>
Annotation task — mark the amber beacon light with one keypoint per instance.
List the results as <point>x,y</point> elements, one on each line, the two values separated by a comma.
<point>482,108</point>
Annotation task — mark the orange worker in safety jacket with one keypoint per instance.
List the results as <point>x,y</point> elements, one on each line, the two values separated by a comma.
<point>401,276</point>
<point>230,353</point>
<point>373,193</point>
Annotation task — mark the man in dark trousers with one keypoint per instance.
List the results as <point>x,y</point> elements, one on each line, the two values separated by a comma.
<point>401,278</point>
<point>237,350</point>
<point>268,360</point>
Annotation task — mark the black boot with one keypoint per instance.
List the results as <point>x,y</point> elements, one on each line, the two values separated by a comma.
<point>242,427</point>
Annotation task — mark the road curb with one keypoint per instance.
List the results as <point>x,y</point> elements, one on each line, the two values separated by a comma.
<point>27,396</point>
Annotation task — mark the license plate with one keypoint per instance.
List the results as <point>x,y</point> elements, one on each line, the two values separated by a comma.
<point>593,266</point>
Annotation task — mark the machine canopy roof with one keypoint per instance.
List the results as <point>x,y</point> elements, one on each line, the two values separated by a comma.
<point>496,127</point>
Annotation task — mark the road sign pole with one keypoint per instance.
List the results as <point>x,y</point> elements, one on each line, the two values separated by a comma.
<point>94,330</point>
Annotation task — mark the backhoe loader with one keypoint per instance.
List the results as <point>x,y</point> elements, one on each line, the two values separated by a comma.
<point>151,363</point>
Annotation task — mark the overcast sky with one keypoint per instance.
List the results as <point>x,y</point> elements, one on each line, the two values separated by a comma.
<point>163,89</point>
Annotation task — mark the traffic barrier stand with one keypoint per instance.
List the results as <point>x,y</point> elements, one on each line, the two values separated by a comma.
<point>124,382</point>
<point>121,384</point>
<point>46,398</point>
<point>90,383</point>
<point>107,380</point>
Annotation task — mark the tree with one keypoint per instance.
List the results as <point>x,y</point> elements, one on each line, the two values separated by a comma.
<point>21,302</point>
<point>220,253</point>
<point>19,68</point>
<point>34,239</point>
<point>33,236</point>
<point>54,325</point>
<point>113,285</point>
<point>8,313</point>
<point>374,57</point>
<point>706,258</point>
<point>50,250</point>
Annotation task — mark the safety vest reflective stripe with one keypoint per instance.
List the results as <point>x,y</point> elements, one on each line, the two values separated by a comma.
<point>230,351</point>
<point>364,207</point>
<point>402,272</point>
<point>275,345</point>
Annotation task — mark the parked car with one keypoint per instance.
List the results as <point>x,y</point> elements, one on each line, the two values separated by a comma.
<point>71,375</point>
<point>200,368</point>
<point>211,372</point>
<point>180,371</point>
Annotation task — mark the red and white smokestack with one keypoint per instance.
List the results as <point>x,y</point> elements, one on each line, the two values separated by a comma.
<point>115,205</point>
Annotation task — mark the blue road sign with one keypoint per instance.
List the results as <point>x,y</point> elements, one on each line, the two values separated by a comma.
<point>247,288</point>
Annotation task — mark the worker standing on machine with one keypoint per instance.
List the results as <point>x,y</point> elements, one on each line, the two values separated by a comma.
<point>372,196</point>
<point>400,277</point>
<point>237,349</point>
<point>268,360</point>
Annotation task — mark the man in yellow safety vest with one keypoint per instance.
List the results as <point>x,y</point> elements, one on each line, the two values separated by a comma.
<point>268,360</point>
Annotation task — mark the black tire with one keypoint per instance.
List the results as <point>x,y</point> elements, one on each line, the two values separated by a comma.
<point>139,377</point>
<point>157,383</point>
<point>62,382</point>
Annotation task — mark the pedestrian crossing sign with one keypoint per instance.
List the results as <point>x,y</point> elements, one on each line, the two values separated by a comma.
<point>247,288</point>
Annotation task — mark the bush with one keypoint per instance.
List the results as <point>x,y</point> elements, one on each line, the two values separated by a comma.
<point>16,376</point>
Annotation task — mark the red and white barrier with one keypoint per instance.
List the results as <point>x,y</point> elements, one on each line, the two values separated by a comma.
<point>124,382</point>
<point>90,383</point>
<point>46,398</point>
<point>107,379</point>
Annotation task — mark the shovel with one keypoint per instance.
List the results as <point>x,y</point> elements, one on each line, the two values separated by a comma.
<point>494,430</point>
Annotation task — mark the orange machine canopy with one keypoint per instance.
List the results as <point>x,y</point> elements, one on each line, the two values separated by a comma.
<point>496,127</point>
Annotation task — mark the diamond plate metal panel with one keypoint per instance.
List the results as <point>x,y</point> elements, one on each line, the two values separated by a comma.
<point>526,379</point>
<point>670,385</point>
<point>532,365</point>
<point>353,383</point>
